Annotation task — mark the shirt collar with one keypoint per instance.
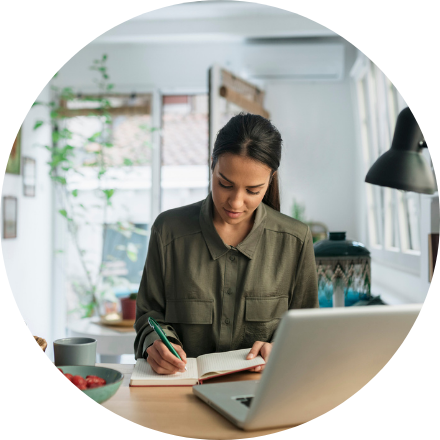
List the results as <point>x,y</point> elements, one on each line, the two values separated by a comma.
<point>215,244</point>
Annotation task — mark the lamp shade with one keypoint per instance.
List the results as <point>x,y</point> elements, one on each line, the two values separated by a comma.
<point>403,166</point>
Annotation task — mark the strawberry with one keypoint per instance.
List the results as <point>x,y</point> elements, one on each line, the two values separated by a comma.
<point>80,382</point>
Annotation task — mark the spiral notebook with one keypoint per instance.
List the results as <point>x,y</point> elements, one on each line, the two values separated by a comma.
<point>199,369</point>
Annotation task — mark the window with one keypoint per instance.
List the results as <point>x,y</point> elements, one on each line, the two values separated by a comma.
<point>393,215</point>
<point>107,195</point>
<point>184,150</point>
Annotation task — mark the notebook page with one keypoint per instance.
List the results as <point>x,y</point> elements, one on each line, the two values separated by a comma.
<point>143,371</point>
<point>227,361</point>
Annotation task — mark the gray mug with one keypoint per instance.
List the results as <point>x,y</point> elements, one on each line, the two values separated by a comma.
<point>74,351</point>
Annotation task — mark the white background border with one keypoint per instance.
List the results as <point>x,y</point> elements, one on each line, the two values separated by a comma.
<point>38,37</point>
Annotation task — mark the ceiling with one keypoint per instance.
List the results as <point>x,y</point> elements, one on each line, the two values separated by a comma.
<point>211,9</point>
<point>214,21</point>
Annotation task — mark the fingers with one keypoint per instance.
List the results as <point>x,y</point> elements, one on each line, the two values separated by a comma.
<point>258,369</point>
<point>260,348</point>
<point>265,351</point>
<point>255,349</point>
<point>157,368</point>
<point>180,351</point>
<point>167,356</point>
<point>163,361</point>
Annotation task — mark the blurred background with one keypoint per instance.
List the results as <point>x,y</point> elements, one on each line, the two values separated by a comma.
<point>124,131</point>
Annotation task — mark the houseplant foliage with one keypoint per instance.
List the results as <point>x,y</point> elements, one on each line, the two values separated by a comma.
<point>70,154</point>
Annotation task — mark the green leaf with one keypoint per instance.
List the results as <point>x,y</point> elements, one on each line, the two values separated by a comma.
<point>75,193</point>
<point>127,161</point>
<point>108,144</point>
<point>132,252</point>
<point>38,124</point>
<point>67,94</point>
<point>101,173</point>
<point>104,57</point>
<point>110,86</point>
<point>88,309</point>
<point>63,134</point>
<point>55,136</point>
<point>59,179</point>
<point>108,193</point>
<point>63,212</point>
<point>37,103</point>
<point>94,136</point>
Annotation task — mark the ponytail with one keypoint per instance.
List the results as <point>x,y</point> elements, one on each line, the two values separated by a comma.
<point>272,196</point>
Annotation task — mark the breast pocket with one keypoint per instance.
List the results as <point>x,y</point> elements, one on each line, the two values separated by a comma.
<point>189,311</point>
<point>262,316</point>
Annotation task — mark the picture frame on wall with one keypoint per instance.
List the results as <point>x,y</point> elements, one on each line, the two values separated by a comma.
<point>29,176</point>
<point>14,161</point>
<point>9,217</point>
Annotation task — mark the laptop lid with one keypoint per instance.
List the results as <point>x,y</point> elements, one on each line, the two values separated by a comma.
<point>321,357</point>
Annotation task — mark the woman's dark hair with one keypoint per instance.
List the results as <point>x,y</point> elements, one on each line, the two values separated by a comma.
<point>255,137</point>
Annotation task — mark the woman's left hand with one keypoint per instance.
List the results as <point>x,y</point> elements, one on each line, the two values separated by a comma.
<point>260,348</point>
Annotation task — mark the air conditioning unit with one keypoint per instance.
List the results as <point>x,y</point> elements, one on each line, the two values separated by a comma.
<point>292,61</point>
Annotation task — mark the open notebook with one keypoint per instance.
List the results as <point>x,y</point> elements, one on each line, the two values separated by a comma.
<point>199,369</point>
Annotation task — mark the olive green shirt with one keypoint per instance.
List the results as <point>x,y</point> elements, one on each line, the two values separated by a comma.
<point>211,297</point>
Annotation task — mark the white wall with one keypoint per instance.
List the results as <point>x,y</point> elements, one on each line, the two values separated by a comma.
<point>28,258</point>
<point>317,167</point>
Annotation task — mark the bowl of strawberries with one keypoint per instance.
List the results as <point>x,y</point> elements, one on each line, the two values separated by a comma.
<point>98,383</point>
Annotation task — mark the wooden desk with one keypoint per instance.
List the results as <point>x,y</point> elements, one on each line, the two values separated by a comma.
<point>176,410</point>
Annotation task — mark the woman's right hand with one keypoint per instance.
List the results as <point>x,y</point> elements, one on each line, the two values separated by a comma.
<point>162,361</point>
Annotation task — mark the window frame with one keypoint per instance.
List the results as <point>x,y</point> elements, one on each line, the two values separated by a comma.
<point>386,207</point>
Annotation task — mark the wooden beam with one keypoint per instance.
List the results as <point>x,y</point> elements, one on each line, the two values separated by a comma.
<point>243,102</point>
<point>113,111</point>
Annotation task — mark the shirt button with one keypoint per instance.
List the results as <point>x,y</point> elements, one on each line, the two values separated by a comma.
<point>227,321</point>
<point>232,258</point>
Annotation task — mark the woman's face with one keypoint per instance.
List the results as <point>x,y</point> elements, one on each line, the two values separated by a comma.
<point>238,187</point>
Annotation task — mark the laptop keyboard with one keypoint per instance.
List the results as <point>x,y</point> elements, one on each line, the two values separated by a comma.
<point>245,400</point>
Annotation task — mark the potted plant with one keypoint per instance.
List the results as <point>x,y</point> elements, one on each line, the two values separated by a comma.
<point>128,306</point>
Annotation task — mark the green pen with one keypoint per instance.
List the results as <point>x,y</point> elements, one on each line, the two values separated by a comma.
<point>156,327</point>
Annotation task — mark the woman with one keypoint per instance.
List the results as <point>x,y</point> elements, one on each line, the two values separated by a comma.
<point>221,272</point>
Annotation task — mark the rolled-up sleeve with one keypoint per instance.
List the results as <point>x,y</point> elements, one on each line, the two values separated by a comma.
<point>151,298</point>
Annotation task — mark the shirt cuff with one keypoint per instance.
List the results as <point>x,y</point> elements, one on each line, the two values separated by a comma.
<point>153,336</point>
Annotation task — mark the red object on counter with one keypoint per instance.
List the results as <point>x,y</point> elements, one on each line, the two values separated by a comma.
<point>128,308</point>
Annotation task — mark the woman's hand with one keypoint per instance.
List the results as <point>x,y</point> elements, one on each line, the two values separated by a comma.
<point>162,361</point>
<point>260,348</point>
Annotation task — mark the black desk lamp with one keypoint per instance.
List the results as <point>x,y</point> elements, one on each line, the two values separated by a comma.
<point>403,166</point>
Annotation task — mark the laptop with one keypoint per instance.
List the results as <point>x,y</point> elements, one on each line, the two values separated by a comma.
<point>320,358</point>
